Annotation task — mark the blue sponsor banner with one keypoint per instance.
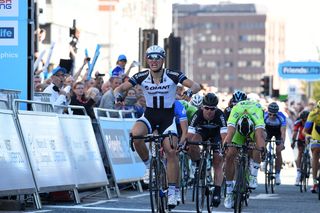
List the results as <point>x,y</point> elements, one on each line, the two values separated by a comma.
<point>13,45</point>
<point>309,71</point>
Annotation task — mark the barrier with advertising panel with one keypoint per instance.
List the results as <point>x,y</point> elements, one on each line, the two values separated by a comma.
<point>125,165</point>
<point>16,176</point>
<point>83,149</point>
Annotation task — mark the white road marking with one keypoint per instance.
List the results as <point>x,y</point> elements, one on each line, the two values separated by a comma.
<point>264,196</point>
<point>140,195</point>
<point>99,202</point>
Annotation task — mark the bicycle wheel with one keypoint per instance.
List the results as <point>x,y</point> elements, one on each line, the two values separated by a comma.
<point>163,182</point>
<point>154,187</point>
<point>184,177</point>
<point>272,173</point>
<point>201,185</point>
<point>238,189</point>
<point>266,176</point>
<point>303,170</point>
<point>210,190</point>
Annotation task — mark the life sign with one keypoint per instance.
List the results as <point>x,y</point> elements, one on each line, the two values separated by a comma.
<point>6,32</point>
<point>309,71</point>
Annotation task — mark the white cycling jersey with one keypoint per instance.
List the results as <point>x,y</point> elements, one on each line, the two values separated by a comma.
<point>162,95</point>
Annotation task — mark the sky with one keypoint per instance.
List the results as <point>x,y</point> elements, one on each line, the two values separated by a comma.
<point>302,24</point>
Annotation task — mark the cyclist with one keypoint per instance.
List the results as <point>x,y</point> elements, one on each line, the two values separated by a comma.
<point>237,96</point>
<point>159,88</point>
<point>313,125</point>
<point>276,126</point>
<point>246,119</point>
<point>196,100</point>
<point>190,109</point>
<point>298,136</point>
<point>209,114</point>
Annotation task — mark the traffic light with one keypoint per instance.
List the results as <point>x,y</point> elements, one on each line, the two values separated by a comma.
<point>172,46</point>
<point>149,38</point>
<point>266,84</point>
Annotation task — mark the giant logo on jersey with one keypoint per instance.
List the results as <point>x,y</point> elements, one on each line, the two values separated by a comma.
<point>160,87</point>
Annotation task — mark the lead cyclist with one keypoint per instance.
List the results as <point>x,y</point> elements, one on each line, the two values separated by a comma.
<point>246,119</point>
<point>159,88</point>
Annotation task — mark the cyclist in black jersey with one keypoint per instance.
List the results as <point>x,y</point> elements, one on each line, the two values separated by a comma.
<point>209,114</point>
<point>159,88</point>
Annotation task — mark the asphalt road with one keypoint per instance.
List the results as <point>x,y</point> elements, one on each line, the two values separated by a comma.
<point>287,198</point>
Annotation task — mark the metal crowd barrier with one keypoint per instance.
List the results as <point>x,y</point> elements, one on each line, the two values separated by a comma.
<point>8,96</point>
<point>41,97</point>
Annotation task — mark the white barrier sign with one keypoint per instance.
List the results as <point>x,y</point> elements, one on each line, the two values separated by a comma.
<point>84,151</point>
<point>48,152</point>
<point>15,170</point>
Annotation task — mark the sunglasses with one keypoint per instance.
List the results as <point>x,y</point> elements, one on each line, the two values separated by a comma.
<point>154,57</point>
<point>209,108</point>
<point>271,114</point>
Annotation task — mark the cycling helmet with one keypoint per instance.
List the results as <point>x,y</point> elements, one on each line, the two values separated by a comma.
<point>304,114</point>
<point>245,126</point>
<point>155,49</point>
<point>238,96</point>
<point>210,99</point>
<point>196,100</point>
<point>273,107</point>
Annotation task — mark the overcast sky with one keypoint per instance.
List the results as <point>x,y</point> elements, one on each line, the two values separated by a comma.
<point>302,24</point>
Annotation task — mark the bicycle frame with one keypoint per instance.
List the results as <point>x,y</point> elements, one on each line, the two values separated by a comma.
<point>158,183</point>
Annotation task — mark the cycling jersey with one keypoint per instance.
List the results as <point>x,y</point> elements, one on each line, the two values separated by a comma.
<point>255,113</point>
<point>190,109</point>
<point>313,121</point>
<point>273,126</point>
<point>180,115</point>
<point>162,95</point>
<point>298,127</point>
<point>218,119</point>
<point>179,112</point>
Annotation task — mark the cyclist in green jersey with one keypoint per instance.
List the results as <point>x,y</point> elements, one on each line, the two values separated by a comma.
<point>190,109</point>
<point>245,120</point>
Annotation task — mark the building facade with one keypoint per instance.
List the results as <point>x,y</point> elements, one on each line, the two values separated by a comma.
<point>228,46</point>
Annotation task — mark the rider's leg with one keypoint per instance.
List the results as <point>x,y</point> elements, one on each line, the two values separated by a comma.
<point>140,129</point>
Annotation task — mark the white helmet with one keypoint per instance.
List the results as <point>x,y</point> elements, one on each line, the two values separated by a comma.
<point>196,100</point>
<point>155,49</point>
<point>253,97</point>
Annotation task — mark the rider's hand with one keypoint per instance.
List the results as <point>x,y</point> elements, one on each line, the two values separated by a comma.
<point>293,144</point>
<point>187,94</point>
<point>308,138</point>
<point>119,98</point>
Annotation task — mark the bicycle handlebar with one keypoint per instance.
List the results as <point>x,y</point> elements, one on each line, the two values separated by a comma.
<point>150,138</point>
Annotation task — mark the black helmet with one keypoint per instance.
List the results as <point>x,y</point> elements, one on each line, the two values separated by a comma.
<point>273,107</point>
<point>238,96</point>
<point>304,114</point>
<point>210,99</point>
<point>245,126</point>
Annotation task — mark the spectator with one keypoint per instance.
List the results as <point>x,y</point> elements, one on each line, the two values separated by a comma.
<point>79,99</point>
<point>58,95</point>
<point>108,99</point>
<point>37,83</point>
<point>119,69</point>
<point>105,87</point>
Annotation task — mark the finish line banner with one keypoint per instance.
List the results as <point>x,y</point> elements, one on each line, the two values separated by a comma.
<point>309,71</point>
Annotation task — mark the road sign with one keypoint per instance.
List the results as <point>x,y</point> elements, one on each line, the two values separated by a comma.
<point>309,71</point>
